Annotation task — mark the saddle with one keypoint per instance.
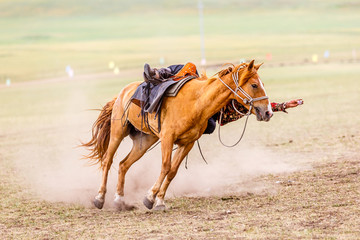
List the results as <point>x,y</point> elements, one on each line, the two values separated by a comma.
<point>149,95</point>
<point>189,69</point>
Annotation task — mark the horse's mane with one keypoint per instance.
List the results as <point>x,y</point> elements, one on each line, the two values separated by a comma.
<point>230,69</point>
<point>225,71</point>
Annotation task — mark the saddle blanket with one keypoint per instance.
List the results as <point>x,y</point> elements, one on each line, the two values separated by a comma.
<point>149,96</point>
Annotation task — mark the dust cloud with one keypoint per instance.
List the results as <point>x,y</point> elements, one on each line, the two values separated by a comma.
<point>64,176</point>
<point>53,168</point>
<point>229,170</point>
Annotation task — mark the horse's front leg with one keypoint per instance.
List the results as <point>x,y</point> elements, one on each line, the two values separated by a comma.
<point>178,158</point>
<point>166,150</point>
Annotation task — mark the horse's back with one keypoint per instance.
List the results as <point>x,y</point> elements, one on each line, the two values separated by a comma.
<point>126,93</point>
<point>172,110</point>
<point>130,110</point>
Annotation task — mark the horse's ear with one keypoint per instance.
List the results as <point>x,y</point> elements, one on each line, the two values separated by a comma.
<point>258,66</point>
<point>251,65</point>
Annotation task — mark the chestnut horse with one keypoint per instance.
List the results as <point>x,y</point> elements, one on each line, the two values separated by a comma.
<point>183,120</point>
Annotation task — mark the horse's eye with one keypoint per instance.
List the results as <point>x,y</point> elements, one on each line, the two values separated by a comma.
<point>254,85</point>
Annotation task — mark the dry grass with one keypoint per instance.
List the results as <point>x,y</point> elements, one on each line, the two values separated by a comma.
<point>322,203</point>
<point>319,203</point>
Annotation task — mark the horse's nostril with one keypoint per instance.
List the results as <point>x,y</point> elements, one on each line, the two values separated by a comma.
<point>268,114</point>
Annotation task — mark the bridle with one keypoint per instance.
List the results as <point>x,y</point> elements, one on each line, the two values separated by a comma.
<point>248,100</point>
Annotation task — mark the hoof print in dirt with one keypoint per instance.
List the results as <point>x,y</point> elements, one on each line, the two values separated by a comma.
<point>160,208</point>
<point>122,206</point>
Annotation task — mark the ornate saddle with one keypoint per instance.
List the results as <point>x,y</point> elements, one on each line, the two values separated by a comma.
<point>189,69</point>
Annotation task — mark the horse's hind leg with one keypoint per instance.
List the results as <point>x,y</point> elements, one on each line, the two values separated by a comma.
<point>117,134</point>
<point>179,156</point>
<point>141,143</point>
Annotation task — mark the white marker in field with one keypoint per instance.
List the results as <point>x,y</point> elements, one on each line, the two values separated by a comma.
<point>116,71</point>
<point>111,65</point>
<point>8,82</point>
<point>315,58</point>
<point>327,54</point>
<point>69,71</point>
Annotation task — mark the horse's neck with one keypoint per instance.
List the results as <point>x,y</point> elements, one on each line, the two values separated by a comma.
<point>215,95</point>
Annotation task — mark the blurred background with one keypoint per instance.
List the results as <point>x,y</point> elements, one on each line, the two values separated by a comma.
<point>42,39</point>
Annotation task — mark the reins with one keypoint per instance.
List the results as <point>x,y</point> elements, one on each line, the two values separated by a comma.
<point>247,100</point>
<point>242,134</point>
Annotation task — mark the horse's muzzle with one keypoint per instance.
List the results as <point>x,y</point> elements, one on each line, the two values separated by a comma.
<point>263,115</point>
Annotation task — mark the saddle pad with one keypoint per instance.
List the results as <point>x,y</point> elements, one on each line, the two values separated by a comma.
<point>149,97</point>
<point>173,90</point>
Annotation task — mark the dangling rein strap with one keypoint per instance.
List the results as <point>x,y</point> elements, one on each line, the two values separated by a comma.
<point>242,134</point>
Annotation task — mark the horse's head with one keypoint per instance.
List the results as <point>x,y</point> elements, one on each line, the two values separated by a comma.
<point>250,90</point>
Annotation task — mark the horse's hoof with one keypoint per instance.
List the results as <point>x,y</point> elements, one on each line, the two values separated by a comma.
<point>149,204</point>
<point>98,203</point>
<point>160,208</point>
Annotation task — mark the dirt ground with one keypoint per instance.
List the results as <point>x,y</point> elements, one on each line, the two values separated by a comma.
<point>321,203</point>
<point>316,196</point>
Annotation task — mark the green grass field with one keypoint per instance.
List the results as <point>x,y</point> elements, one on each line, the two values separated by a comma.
<point>43,42</point>
<point>298,175</point>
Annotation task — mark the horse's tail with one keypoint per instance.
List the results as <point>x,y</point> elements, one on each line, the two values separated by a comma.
<point>99,142</point>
